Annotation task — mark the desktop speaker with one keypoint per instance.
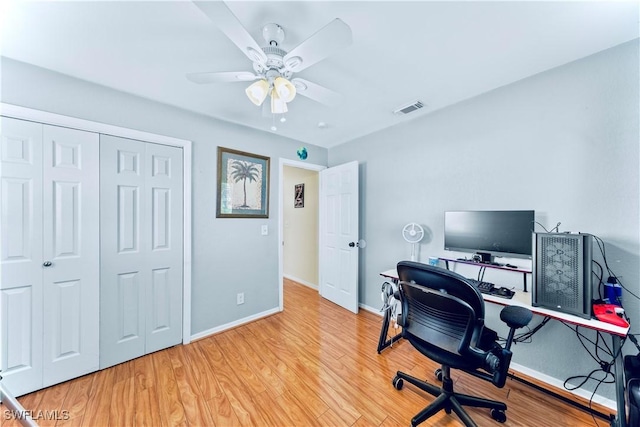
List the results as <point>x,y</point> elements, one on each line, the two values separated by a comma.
<point>562,273</point>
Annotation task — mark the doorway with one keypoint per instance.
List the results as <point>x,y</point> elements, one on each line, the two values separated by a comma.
<point>298,225</point>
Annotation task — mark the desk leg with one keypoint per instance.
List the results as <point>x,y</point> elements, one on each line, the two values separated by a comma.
<point>383,332</point>
<point>383,342</point>
<point>618,366</point>
<point>524,277</point>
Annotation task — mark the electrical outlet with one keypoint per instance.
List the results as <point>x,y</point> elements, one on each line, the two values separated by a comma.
<point>240,298</point>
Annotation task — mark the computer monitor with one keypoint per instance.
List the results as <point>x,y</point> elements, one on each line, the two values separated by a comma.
<point>490,233</point>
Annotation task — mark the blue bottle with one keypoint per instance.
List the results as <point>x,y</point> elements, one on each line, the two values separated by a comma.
<point>613,291</point>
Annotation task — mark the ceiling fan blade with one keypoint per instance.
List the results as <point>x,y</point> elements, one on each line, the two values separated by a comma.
<point>316,92</point>
<point>332,37</point>
<point>222,77</point>
<point>221,15</point>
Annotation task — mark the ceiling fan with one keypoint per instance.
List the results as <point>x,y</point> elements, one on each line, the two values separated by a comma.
<point>274,67</point>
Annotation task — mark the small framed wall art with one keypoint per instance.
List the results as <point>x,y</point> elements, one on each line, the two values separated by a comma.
<point>298,200</point>
<point>243,185</point>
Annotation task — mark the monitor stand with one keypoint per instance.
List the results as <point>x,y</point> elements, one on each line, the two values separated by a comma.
<point>485,257</point>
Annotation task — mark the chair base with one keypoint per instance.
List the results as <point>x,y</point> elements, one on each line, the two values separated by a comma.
<point>449,400</point>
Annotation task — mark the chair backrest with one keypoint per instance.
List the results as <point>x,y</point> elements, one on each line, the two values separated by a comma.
<point>443,311</point>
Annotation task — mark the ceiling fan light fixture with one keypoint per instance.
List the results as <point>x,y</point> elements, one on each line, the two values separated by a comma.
<point>285,89</point>
<point>273,34</point>
<point>278,105</point>
<point>257,92</point>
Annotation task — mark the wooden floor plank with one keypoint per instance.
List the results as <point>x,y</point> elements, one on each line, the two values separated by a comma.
<point>195,406</point>
<point>222,412</point>
<point>97,410</point>
<point>169,402</point>
<point>121,411</point>
<point>203,375</point>
<point>75,403</point>
<point>51,405</point>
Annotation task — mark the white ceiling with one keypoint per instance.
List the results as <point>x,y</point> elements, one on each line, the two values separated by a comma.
<point>437,52</point>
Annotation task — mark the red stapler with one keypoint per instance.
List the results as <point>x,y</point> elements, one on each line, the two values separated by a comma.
<point>610,313</point>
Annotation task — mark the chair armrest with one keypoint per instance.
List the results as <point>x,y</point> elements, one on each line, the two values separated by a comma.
<point>516,317</point>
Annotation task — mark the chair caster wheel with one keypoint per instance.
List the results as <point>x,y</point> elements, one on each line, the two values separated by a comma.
<point>398,383</point>
<point>438,374</point>
<point>498,415</point>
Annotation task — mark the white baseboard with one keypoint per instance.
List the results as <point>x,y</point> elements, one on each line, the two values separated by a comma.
<point>554,382</point>
<point>233,324</point>
<point>371,309</point>
<point>302,282</point>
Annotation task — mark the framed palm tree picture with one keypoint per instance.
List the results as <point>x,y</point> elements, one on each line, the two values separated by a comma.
<point>243,185</point>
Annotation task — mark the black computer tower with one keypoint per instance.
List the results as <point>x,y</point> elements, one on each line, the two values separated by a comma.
<point>562,273</point>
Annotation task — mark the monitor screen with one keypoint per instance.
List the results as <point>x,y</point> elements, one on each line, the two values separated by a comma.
<point>502,233</point>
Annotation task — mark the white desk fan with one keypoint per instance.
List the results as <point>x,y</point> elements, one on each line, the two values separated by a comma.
<point>413,233</point>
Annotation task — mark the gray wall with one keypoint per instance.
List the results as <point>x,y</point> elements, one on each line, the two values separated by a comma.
<point>229,255</point>
<point>564,142</point>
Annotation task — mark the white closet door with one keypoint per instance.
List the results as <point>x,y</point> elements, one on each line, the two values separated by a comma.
<point>163,196</point>
<point>141,255</point>
<point>123,232</point>
<point>71,245</point>
<point>21,255</point>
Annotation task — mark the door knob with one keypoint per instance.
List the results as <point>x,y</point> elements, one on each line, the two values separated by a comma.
<point>360,243</point>
<point>47,264</point>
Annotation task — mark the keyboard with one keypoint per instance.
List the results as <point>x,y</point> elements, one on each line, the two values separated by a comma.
<point>491,289</point>
<point>483,287</point>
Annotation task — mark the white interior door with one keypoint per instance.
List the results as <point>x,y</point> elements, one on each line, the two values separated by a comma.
<point>142,248</point>
<point>21,255</point>
<point>339,235</point>
<point>71,253</point>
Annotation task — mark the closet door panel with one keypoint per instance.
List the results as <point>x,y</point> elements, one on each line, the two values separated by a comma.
<point>71,251</point>
<point>141,248</point>
<point>123,274</point>
<point>21,255</point>
<point>164,289</point>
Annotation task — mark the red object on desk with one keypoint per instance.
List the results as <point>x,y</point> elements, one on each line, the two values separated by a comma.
<point>607,313</point>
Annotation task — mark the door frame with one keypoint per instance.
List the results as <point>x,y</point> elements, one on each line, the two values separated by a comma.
<point>296,164</point>
<point>24,113</point>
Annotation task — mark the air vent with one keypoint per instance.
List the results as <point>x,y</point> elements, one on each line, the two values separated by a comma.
<point>406,109</point>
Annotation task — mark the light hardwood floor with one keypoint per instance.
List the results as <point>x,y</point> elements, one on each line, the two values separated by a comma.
<point>315,364</point>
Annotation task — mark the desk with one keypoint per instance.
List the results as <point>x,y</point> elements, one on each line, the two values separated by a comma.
<point>523,299</point>
<point>524,271</point>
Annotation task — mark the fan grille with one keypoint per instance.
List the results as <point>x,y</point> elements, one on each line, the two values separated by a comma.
<point>562,273</point>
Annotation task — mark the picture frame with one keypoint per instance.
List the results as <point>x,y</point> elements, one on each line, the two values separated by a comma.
<point>243,185</point>
<point>298,196</point>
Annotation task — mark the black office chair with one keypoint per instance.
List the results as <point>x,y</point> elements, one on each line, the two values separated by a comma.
<point>443,318</point>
